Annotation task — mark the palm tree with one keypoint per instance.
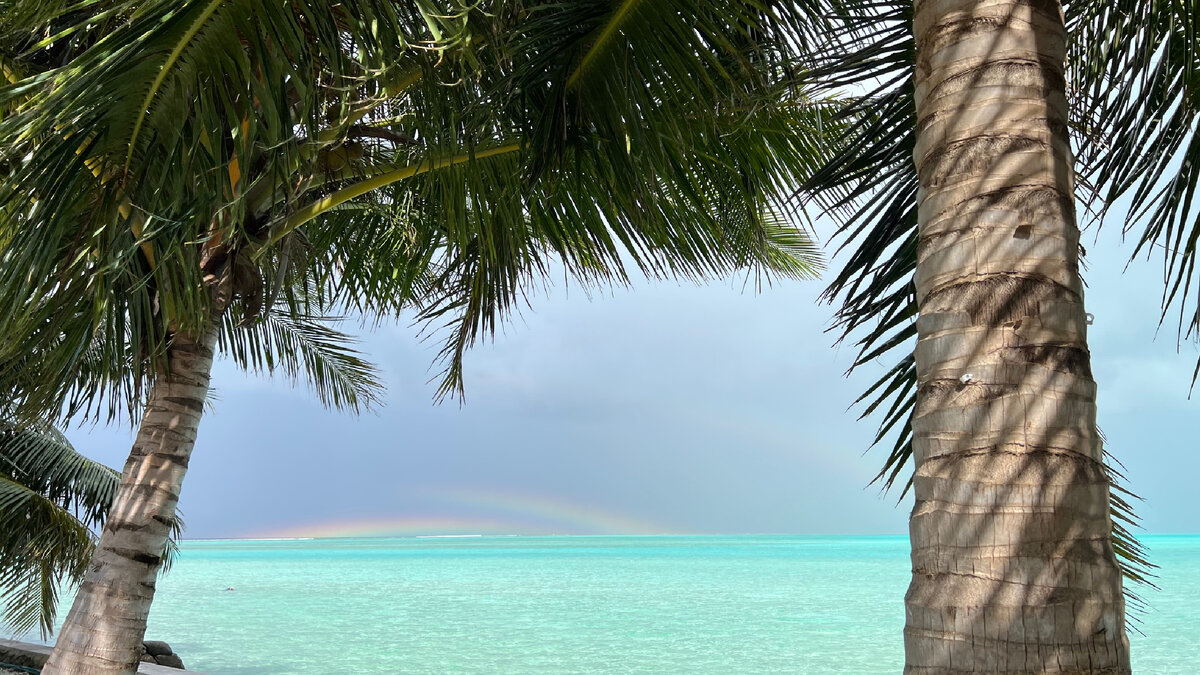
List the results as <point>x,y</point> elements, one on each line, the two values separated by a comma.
<point>1018,524</point>
<point>174,172</point>
<point>1011,526</point>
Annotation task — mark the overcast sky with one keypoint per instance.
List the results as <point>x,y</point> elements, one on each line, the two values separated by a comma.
<point>661,408</point>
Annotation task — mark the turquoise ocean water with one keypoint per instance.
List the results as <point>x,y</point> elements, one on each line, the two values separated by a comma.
<point>673,604</point>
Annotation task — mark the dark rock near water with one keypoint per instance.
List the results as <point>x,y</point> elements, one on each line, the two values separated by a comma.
<point>157,648</point>
<point>170,661</point>
<point>160,653</point>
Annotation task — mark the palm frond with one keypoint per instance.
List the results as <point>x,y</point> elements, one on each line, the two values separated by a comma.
<point>304,348</point>
<point>43,460</point>
<point>586,178</point>
<point>42,546</point>
<point>51,498</point>
<point>1136,95</point>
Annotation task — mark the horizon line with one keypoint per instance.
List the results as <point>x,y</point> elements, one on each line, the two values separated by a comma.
<point>543,535</point>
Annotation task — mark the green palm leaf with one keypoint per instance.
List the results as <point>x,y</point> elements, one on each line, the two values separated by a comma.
<point>305,348</point>
<point>1137,97</point>
<point>51,498</point>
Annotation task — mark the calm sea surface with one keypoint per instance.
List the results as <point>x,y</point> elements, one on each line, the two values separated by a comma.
<point>749,604</point>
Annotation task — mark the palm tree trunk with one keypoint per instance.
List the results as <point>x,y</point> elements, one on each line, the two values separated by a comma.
<point>103,632</point>
<point>1013,565</point>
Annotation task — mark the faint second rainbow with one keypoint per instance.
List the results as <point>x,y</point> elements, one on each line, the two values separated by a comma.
<point>461,511</point>
<point>410,526</point>
<point>557,516</point>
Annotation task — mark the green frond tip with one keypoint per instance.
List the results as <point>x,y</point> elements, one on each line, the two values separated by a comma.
<point>300,346</point>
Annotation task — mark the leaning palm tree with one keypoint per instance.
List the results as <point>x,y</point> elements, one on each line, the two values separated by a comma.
<point>174,172</point>
<point>958,187</point>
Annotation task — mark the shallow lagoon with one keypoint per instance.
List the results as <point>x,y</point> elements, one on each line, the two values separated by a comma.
<point>671,604</point>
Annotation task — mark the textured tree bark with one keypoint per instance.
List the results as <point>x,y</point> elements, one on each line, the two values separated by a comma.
<point>1013,565</point>
<point>103,632</point>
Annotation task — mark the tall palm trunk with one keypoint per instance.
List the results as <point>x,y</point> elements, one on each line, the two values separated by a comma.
<point>103,632</point>
<point>1013,566</point>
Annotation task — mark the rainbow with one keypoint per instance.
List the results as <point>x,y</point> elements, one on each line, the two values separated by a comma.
<point>478,511</point>
<point>389,527</point>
